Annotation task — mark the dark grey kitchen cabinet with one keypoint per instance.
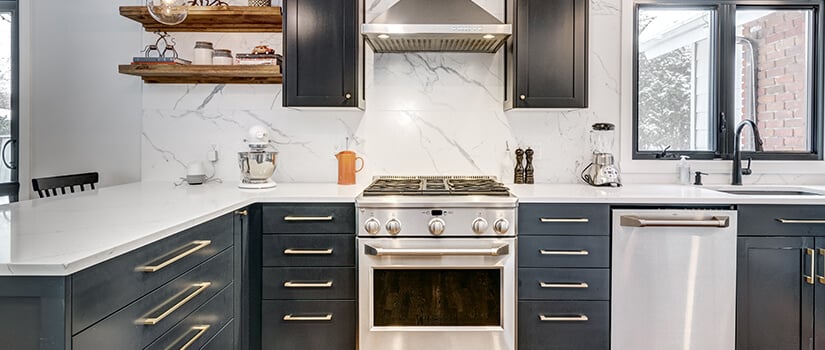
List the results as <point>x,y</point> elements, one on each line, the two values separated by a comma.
<point>307,277</point>
<point>132,300</point>
<point>775,304</point>
<point>322,53</point>
<point>564,276</point>
<point>780,295</point>
<point>547,56</point>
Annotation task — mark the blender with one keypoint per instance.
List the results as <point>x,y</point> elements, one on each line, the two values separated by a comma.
<point>257,165</point>
<point>602,171</point>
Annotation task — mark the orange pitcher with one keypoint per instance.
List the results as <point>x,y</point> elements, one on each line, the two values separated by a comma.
<point>346,167</point>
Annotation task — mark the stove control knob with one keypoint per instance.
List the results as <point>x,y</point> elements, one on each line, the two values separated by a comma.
<point>372,226</point>
<point>480,225</point>
<point>436,226</point>
<point>501,226</point>
<point>393,226</point>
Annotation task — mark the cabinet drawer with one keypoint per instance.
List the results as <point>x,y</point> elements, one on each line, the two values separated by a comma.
<point>225,339</point>
<point>550,325</point>
<point>132,328</point>
<point>308,325</point>
<point>308,283</point>
<point>199,327</point>
<point>781,220</point>
<point>104,288</point>
<point>309,250</point>
<point>564,219</point>
<point>309,218</point>
<point>564,284</point>
<point>564,251</point>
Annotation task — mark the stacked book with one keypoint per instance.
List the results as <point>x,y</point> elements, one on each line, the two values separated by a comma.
<point>258,59</point>
<point>159,60</point>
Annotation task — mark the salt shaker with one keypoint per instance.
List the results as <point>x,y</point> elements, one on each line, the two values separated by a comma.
<point>529,176</point>
<point>518,176</point>
<point>203,52</point>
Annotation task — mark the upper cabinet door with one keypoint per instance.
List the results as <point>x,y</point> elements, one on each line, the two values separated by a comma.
<point>774,297</point>
<point>550,54</point>
<point>320,53</point>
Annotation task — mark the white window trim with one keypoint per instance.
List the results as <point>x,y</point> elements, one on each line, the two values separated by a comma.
<point>629,165</point>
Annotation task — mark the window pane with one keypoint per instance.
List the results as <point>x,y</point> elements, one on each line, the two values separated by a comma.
<point>5,87</point>
<point>674,79</point>
<point>773,48</point>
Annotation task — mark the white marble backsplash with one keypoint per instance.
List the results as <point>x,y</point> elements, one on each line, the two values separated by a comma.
<point>426,113</point>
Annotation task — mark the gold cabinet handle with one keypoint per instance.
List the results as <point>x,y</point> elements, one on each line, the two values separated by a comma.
<point>822,277</point>
<point>564,252</point>
<point>295,284</point>
<point>812,253</point>
<point>308,218</point>
<point>801,221</point>
<point>291,317</point>
<point>522,97</point>
<point>242,212</point>
<point>564,220</point>
<point>151,321</point>
<point>300,251</point>
<point>579,318</point>
<point>201,331</point>
<point>581,285</point>
<point>198,245</point>
<point>348,96</point>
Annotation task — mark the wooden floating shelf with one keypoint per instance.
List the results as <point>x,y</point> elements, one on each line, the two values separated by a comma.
<point>203,74</point>
<point>213,19</point>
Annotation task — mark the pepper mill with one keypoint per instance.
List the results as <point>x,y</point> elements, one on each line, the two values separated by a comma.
<point>518,176</point>
<point>529,177</point>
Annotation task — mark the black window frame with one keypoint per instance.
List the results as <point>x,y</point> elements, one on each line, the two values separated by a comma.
<point>722,36</point>
<point>12,188</point>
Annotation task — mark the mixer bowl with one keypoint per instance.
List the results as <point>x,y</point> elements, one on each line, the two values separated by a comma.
<point>257,167</point>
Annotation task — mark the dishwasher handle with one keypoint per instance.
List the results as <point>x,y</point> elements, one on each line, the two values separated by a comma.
<point>636,221</point>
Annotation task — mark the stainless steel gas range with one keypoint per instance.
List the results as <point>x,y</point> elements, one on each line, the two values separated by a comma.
<point>436,264</point>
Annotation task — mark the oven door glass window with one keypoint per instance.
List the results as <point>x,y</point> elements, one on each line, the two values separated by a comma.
<point>436,297</point>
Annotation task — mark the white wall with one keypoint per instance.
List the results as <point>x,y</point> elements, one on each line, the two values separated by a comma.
<point>81,115</point>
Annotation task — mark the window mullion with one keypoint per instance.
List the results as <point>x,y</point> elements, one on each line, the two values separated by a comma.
<point>725,92</point>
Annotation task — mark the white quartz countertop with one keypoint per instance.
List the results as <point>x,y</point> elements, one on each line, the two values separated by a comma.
<point>62,235</point>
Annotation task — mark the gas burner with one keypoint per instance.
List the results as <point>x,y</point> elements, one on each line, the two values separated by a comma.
<point>436,186</point>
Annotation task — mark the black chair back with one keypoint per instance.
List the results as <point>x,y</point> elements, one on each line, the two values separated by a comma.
<point>57,185</point>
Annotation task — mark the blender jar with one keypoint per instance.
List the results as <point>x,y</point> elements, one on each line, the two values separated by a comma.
<point>601,137</point>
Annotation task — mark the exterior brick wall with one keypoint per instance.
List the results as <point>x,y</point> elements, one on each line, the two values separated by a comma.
<point>781,45</point>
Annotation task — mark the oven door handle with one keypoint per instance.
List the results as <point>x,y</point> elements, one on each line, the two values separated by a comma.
<point>494,251</point>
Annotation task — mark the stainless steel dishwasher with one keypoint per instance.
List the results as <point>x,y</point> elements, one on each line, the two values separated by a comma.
<point>674,280</point>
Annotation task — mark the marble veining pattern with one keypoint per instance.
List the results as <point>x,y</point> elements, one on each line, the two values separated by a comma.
<point>427,113</point>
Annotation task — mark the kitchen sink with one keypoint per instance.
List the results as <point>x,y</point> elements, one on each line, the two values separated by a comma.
<point>768,191</point>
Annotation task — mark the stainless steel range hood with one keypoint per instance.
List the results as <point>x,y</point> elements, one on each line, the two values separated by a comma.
<point>436,25</point>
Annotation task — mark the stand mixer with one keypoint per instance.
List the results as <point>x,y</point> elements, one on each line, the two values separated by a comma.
<point>257,165</point>
<point>602,171</point>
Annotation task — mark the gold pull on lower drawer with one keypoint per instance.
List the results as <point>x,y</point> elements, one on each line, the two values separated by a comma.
<point>291,317</point>
<point>564,220</point>
<point>564,252</point>
<point>320,284</point>
<point>199,288</point>
<point>580,285</point>
<point>551,318</point>
<point>196,246</point>
<point>293,218</point>
<point>300,251</point>
<point>201,330</point>
<point>822,277</point>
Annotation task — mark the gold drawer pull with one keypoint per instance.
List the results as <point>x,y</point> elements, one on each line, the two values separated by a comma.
<point>154,320</point>
<point>291,317</point>
<point>198,245</point>
<point>308,218</point>
<point>579,318</point>
<point>581,285</point>
<point>822,277</point>
<point>812,253</point>
<point>564,220</point>
<point>564,252</point>
<point>801,221</point>
<point>322,284</point>
<point>300,251</point>
<point>201,331</point>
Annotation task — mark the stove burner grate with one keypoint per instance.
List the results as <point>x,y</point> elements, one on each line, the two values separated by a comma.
<point>436,185</point>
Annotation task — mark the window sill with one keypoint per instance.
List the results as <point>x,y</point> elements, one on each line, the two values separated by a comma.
<point>717,166</point>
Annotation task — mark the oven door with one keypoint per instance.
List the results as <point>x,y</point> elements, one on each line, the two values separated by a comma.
<point>444,293</point>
